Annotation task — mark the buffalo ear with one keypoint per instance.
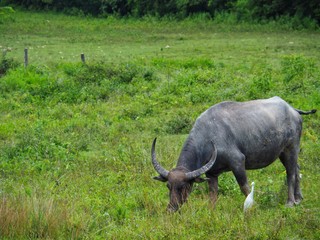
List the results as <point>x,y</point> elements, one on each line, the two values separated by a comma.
<point>160,178</point>
<point>200,180</point>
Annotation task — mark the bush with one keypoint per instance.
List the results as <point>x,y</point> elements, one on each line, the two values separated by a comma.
<point>5,13</point>
<point>35,82</point>
<point>6,63</point>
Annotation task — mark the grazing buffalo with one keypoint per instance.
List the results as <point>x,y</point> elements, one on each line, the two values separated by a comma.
<point>235,136</point>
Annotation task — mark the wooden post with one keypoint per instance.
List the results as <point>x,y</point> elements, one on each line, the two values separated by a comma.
<point>83,58</point>
<point>26,57</point>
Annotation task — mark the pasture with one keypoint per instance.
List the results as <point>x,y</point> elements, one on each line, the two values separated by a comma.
<point>75,139</point>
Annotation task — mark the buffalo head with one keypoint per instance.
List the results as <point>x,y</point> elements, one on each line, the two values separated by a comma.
<point>179,180</point>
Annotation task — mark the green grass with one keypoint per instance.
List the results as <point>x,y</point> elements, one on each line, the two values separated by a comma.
<point>53,38</point>
<point>75,139</point>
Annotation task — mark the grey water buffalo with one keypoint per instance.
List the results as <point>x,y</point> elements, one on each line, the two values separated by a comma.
<point>235,136</point>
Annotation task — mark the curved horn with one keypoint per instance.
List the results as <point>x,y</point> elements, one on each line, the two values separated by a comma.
<point>163,172</point>
<point>196,173</point>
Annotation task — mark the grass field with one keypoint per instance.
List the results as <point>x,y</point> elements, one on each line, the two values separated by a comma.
<point>75,138</point>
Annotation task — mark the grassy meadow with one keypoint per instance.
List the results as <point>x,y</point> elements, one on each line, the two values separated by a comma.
<point>75,139</point>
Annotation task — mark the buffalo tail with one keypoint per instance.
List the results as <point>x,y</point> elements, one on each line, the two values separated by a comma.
<point>306,112</point>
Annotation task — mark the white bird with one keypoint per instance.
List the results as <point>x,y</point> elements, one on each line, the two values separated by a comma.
<point>249,199</point>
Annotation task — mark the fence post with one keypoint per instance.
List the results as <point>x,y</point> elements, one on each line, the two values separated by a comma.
<point>26,57</point>
<point>83,58</point>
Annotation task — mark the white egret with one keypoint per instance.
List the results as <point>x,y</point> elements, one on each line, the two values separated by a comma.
<point>249,200</point>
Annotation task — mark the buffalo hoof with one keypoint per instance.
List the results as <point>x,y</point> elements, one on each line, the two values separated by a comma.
<point>172,209</point>
<point>290,204</point>
<point>297,201</point>
<point>298,198</point>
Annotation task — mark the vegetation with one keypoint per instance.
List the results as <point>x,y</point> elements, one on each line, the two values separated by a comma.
<point>75,138</point>
<point>241,10</point>
<point>5,13</point>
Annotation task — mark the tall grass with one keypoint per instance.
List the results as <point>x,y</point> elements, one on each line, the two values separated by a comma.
<point>34,217</point>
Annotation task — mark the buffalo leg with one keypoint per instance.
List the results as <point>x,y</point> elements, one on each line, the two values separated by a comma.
<point>213,189</point>
<point>297,191</point>
<point>243,182</point>
<point>239,172</point>
<point>289,160</point>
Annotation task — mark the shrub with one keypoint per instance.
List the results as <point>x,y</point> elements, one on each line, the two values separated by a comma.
<point>34,82</point>
<point>6,63</point>
<point>5,13</point>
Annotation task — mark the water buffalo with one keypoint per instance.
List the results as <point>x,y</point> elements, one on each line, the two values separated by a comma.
<point>235,136</point>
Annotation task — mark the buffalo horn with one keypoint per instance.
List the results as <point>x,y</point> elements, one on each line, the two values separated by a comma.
<point>196,173</point>
<point>163,172</point>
